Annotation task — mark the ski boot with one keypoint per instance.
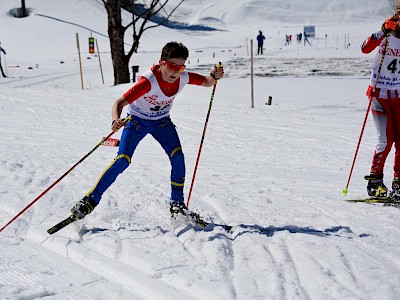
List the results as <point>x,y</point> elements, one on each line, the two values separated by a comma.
<point>176,208</point>
<point>83,207</point>
<point>376,187</point>
<point>395,193</point>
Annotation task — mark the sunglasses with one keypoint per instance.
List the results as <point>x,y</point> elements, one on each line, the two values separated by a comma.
<point>174,67</point>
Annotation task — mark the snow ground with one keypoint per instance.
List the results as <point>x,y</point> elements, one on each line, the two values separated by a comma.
<point>276,172</point>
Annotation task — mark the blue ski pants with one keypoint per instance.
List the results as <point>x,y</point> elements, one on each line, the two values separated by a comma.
<point>136,129</point>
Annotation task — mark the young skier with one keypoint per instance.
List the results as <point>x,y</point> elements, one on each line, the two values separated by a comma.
<point>149,103</point>
<point>384,92</point>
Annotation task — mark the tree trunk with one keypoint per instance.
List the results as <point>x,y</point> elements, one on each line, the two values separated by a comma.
<point>116,35</point>
<point>116,32</point>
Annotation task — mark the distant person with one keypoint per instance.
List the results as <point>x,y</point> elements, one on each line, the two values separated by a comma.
<point>286,40</point>
<point>306,39</point>
<point>1,68</point>
<point>260,43</point>
<point>384,92</point>
<point>149,102</point>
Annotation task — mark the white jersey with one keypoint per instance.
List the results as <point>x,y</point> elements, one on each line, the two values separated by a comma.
<point>155,105</point>
<point>389,76</point>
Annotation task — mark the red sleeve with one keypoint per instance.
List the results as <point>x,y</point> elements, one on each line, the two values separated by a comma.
<point>196,79</point>
<point>142,87</point>
<point>371,43</point>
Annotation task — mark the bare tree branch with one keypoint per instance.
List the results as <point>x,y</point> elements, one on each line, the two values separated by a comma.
<point>139,23</point>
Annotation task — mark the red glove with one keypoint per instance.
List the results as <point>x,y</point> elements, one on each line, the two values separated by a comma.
<point>389,25</point>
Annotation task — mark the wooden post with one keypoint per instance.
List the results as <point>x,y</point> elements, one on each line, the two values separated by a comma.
<point>23,9</point>
<point>348,40</point>
<point>101,69</point>
<point>80,60</point>
<point>251,72</point>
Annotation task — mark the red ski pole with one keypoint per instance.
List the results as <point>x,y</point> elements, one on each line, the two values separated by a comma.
<point>358,146</point>
<point>202,139</point>
<point>59,179</point>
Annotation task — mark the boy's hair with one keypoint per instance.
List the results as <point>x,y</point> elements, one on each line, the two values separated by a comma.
<point>174,50</point>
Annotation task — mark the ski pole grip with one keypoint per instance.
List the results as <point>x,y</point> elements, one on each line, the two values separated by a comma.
<point>127,119</point>
<point>219,65</point>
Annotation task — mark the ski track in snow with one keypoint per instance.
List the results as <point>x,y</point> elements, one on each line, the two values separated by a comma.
<point>127,231</point>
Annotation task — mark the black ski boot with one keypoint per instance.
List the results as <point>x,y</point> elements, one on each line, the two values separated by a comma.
<point>395,193</point>
<point>83,207</point>
<point>376,187</point>
<point>180,208</point>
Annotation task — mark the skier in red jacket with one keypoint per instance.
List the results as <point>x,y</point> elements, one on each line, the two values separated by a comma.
<point>384,92</point>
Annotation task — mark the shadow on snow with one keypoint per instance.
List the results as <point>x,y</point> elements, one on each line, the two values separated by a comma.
<point>234,232</point>
<point>242,229</point>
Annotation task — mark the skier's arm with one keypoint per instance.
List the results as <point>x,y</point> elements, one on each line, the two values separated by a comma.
<point>372,42</point>
<point>139,89</point>
<point>142,87</point>
<point>216,74</point>
<point>376,38</point>
<point>116,113</point>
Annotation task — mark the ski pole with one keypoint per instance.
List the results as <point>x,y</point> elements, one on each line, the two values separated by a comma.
<point>345,191</point>
<point>65,174</point>
<point>202,138</point>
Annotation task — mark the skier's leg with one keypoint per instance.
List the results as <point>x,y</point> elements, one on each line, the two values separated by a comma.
<point>381,113</point>
<point>168,138</point>
<point>130,138</point>
<point>383,123</point>
<point>395,193</point>
<point>396,134</point>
